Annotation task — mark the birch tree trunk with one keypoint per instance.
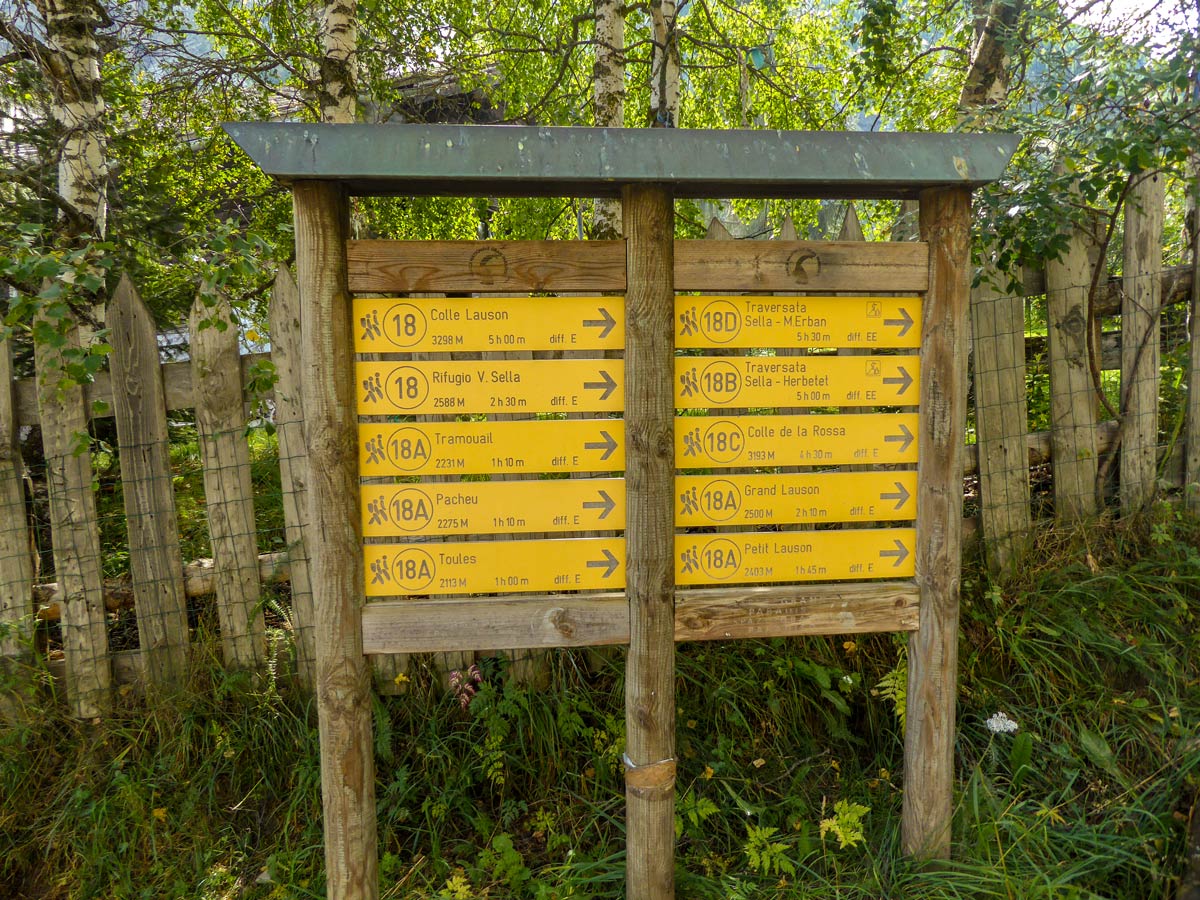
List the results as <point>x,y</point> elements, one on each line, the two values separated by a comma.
<point>608,91</point>
<point>986,84</point>
<point>337,93</point>
<point>71,65</point>
<point>664,65</point>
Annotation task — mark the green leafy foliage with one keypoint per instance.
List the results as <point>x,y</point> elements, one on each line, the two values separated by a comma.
<point>846,823</point>
<point>764,855</point>
<point>1096,660</point>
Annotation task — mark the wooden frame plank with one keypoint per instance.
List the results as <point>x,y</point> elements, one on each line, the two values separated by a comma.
<point>811,266</point>
<point>485,266</point>
<point>595,266</point>
<point>590,620</point>
<point>177,388</point>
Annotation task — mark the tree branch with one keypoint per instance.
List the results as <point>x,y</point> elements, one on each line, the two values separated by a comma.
<point>73,213</point>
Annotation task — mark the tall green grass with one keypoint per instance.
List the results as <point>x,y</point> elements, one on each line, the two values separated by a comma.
<point>790,757</point>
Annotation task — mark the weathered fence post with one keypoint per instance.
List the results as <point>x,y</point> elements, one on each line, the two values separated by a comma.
<point>933,650</point>
<point>648,223</point>
<point>998,329</point>
<point>1191,468</point>
<point>1140,331</point>
<point>1072,392</point>
<point>284,315</point>
<point>155,562</point>
<point>74,530</point>
<point>16,564</point>
<point>322,223</point>
<point>228,492</point>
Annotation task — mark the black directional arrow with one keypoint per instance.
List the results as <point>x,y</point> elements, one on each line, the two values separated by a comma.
<point>605,503</point>
<point>609,384</point>
<point>901,496</point>
<point>905,322</point>
<point>904,438</point>
<point>606,322</point>
<point>904,380</point>
<point>901,553</point>
<point>608,445</point>
<point>610,562</point>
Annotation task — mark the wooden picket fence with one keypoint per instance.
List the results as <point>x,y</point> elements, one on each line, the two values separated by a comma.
<point>141,391</point>
<point>1105,389</point>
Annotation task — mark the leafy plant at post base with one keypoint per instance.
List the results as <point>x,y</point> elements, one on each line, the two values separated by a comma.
<point>691,810</point>
<point>504,863</point>
<point>846,824</point>
<point>893,687</point>
<point>764,855</point>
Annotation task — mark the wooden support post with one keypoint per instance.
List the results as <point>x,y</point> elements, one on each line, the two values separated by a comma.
<point>293,463</point>
<point>74,530</point>
<point>851,230</point>
<point>1191,470</point>
<point>155,561</point>
<point>1001,423</point>
<point>16,562</point>
<point>1072,393</point>
<point>322,223</point>
<point>228,491</point>
<point>933,650</point>
<point>648,223</point>
<point>1140,342</point>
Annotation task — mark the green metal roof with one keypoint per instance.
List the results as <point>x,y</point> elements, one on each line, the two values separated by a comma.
<point>510,160</point>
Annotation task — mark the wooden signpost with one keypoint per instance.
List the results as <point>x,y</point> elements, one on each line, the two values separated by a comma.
<point>691,457</point>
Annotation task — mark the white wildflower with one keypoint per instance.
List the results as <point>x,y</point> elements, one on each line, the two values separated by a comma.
<point>1000,723</point>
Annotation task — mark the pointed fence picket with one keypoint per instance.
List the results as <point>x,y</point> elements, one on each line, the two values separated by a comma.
<point>155,562</point>
<point>16,560</point>
<point>74,529</point>
<point>284,315</point>
<point>229,495</point>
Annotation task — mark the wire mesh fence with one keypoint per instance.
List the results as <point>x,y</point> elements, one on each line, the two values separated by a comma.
<point>121,545</point>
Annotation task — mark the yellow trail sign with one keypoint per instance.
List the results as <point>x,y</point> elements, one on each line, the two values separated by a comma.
<point>711,382</point>
<point>440,324</point>
<point>787,499</point>
<point>493,507</point>
<point>494,567</point>
<point>524,507</point>
<point>773,556</point>
<point>562,385</point>
<point>473,448</point>
<point>703,442</point>
<point>797,322</point>
<point>505,567</point>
